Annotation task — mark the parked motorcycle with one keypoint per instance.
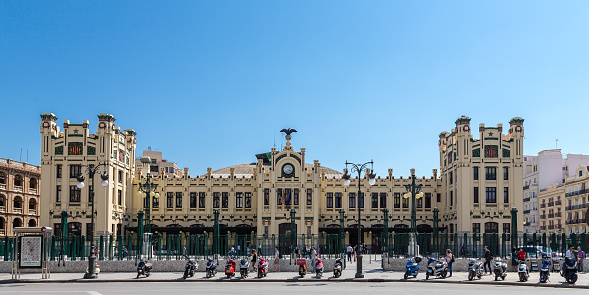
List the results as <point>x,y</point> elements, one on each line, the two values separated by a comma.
<point>545,269</point>
<point>337,267</point>
<point>412,267</point>
<point>500,269</point>
<point>262,268</point>
<point>555,264</point>
<point>230,268</point>
<point>190,268</point>
<point>569,271</point>
<point>244,266</point>
<point>143,268</point>
<point>436,267</point>
<point>522,271</point>
<point>211,268</point>
<point>302,263</point>
<point>319,268</point>
<point>475,269</point>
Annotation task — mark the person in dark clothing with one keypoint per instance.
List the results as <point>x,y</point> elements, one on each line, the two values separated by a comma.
<point>488,258</point>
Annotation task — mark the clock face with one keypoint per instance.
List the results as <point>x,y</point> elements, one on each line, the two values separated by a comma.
<point>288,169</point>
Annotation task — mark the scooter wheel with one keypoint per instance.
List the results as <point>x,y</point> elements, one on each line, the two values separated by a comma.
<point>496,277</point>
<point>185,274</point>
<point>406,275</point>
<point>427,276</point>
<point>147,275</point>
<point>470,276</point>
<point>137,275</point>
<point>228,276</point>
<point>208,274</point>
<point>503,278</point>
<point>572,278</point>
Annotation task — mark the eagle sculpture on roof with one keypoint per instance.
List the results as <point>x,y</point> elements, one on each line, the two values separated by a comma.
<point>288,131</point>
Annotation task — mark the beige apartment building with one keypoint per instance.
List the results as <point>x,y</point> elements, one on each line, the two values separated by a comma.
<point>69,153</point>
<point>158,164</point>
<point>257,197</point>
<point>19,195</point>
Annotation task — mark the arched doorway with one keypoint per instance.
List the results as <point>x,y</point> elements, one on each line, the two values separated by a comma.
<point>424,228</point>
<point>32,223</point>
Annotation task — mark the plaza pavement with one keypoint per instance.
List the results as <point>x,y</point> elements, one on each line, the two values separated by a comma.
<point>371,270</point>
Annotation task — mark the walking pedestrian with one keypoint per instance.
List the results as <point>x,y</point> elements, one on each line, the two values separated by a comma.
<point>513,259</point>
<point>488,258</point>
<point>276,259</point>
<point>254,260</point>
<point>581,258</point>
<point>313,257</point>
<point>449,259</point>
<point>297,252</point>
<point>349,251</point>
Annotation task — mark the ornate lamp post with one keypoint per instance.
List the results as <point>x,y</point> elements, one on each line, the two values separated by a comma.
<point>413,191</point>
<point>91,170</point>
<point>145,189</point>
<point>371,180</point>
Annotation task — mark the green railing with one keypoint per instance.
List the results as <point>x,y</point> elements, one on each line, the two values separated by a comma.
<point>173,247</point>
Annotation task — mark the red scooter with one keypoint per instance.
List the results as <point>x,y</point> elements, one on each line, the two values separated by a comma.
<point>262,268</point>
<point>230,268</point>
<point>319,267</point>
<point>302,263</point>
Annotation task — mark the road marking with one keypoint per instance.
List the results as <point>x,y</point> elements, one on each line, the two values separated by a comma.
<point>93,293</point>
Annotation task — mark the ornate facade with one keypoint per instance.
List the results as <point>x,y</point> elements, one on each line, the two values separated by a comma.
<point>19,195</point>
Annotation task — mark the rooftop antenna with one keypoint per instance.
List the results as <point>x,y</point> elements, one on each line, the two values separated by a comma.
<point>274,139</point>
<point>557,143</point>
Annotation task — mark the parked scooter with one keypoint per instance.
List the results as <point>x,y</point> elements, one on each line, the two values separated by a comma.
<point>569,271</point>
<point>475,269</point>
<point>522,271</point>
<point>262,268</point>
<point>412,267</point>
<point>244,266</point>
<point>302,263</point>
<point>555,264</point>
<point>500,269</point>
<point>319,268</point>
<point>230,268</point>
<point>190,268</point>
<point>436,267</point>
<point>545,268</point>
<point>337,267</point>
<point>143,268</point>
<point>211,268</point>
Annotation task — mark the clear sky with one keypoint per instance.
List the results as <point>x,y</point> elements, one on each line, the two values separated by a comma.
<point>211,83</point>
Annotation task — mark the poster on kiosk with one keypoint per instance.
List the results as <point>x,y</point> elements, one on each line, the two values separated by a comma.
<point>31,248</point>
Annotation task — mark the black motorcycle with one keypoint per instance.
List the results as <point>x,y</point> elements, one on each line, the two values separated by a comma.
<point>211,268</point>
<point>143,268</point>
<point>569,271</point>
<point>190,267</point>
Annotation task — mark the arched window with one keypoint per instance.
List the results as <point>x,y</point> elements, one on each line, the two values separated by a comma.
<point>16,223</point>
<point>17,202</point>
<point>33,183</point>
<point>17,180</point>
<point>32,223</point>
<point>2,201</point>
<point>2,223</point>
<point>2,178</point>
<point>32,204</point>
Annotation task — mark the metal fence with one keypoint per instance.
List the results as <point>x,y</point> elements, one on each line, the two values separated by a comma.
<point>173,247</point>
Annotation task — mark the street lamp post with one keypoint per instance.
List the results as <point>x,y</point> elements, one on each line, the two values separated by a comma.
<point>371,180</point>
<point>413,191</point>
<point>146,189</point>
<point>91,171</point>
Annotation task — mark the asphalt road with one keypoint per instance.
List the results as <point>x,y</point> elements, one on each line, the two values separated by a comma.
<point>143,288</point>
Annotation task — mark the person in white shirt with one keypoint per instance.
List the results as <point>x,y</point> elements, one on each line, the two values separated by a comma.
<point>349,251</point>
<point>570,256</point>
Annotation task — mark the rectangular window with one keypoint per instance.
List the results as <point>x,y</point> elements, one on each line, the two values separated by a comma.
<point>352,203</point>
<point>89,230</point>
<point>428,200</point>
<point>238,200</point>
<point>58,194</point>
<point>120,176</point>
<point>155,202</point>
<point>491,195</point>
<point>170,200</point>
<point>505,195</point>
<point>338,200</point>
<point>192,200</point>
<point>491,173</point>
<point>178,199</point>
<point>505,173</point>
<point>266,197</point>
<point>397,200</point>
<point>287,196</point>
<point>216,200</point>
<point>59,171</point>
<point>406,203</point>
<point>451,177</point>
<point>120,197</point>
<point>295,200</point>
<point>329,200</point>
<point>439,198</point>
<point>419,203</point>
<point>279,196</point>
<point>374,200</point>
<point>451,198</point>
<point>224,200</point>
<point>248,200</point>
<point>475,173</point>
<point>507,228</point>
<point>202,197</point>
<point>476,228</point>
<point>75,171</point>
<point>361,200</point>
<point>309,197</point>
<point>75,194</point>
<point>475,195</point>
<point>383,200</point>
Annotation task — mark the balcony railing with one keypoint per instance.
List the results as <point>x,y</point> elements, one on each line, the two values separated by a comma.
<point>551,215</point>
<point>526,211</point>
<point>543,216</point>
<point>558,203</point>
<point>17,210</point>
<point>33,190</point>
<point>2,185</point>
<point>550,204</point>
<point>558,214</point>
<point>33,211</point>
<point>18,189</point>
<point>543,227</point>
<point>543,205</point>
<point>527,199</point>
<point>2,208</point>
<point>558,225</point>
<point>2,232</point>
<point>526,187</point>
<point>551,227</point>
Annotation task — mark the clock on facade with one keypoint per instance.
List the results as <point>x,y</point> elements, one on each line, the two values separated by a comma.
<point>288,169</point>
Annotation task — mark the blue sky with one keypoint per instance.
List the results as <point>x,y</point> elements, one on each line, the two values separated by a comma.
<point>210,83</point>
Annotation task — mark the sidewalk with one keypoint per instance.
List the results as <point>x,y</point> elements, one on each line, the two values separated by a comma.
<point>372,273</point>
